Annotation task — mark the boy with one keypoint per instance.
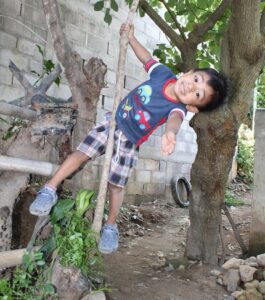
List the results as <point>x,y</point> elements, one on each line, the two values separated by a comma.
<point>160,99</point>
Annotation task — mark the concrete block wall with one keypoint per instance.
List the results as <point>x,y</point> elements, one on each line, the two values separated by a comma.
<point>23,26</point>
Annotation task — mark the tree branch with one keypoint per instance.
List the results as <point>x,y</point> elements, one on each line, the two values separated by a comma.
<point>20,76</point>
<point>174,18</point>
<point>16,111</point>
<point>201,29</point>
<point>171,34</point>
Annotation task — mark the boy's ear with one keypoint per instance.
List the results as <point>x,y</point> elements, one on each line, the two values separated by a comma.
<point>192,109</point>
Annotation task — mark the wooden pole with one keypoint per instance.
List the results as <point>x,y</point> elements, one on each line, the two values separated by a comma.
<point>8,163</point>
<point>97,222</point>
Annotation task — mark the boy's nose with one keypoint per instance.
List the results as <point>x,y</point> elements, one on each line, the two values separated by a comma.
<point>191,87</point>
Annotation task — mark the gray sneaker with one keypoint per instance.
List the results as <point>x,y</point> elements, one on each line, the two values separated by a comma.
<point>45,200</point>
<point>109,239</point>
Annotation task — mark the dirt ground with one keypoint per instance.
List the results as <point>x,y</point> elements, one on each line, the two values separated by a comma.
<point>152,243</point>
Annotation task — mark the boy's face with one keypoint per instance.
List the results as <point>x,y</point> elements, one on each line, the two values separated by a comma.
<point>193,90</point>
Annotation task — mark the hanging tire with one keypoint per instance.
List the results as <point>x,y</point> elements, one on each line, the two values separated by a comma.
<point>181,189</point>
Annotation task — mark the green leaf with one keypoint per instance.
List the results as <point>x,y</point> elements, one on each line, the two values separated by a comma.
<point>114,5</point>
<point>61,209</point>
<point>48,65</point>
<point>57,80</point>
<point>98,5</point>
<point>107,17</point>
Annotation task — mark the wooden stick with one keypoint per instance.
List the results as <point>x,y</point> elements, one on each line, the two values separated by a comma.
<point>236,232</point>
<point>8,163</point>
<point>97,222</point>
<point>16,111</point>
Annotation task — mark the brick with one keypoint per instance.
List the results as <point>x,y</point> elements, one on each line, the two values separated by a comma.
<point>7,40</point>
<point>26,46</point>
<point>9,93</point>
<point>143,176</point>
<point>5,76</point>
<point>158,177</point>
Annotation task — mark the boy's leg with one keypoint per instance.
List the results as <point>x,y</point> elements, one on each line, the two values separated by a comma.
<point>109,239</point>
<point>47,197</point>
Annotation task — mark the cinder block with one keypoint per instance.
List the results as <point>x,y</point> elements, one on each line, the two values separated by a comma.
<point>111,77</point>
<point>162,166</point>
<point>143,176</point>
<point>6,55</point>
<point>9,93</point>
<point>5,76</point>
<point>68,15</point>
<point>26,46</point>
<point>62,91</point>
<point>35,66</point>
<point>7,40</point>
<point>108,103</point>
<point>158,177</point>
<point>10,8</point>
<point>96,43</point>
<point>75,34</point>
<point>151,164</point>
<point>34,16</point>
<point>134,188</point>
<point>154,188</point>
<point>131,83</point>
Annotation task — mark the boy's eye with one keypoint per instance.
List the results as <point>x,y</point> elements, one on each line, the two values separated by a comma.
<point>198,95</point>
<point>196,78</point>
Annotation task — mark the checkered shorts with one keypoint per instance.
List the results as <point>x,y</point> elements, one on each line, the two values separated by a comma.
<point>123,160</point>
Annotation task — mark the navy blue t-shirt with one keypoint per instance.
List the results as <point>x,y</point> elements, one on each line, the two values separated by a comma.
<point>147,107</point>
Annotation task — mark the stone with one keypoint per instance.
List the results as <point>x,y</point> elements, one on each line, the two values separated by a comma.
<point>263,274</point>
<point>236,294</point>
<point>229,298</point>
<point>261,287</point>
<point>233,263</point>
<point>253,294</point>
<point>220,281</point>
<point>251,261</point>
<point>261,260</point>
<point>95,296</point>
<point>251,285</point>
<point>215,273</point>
<point>231,279</point>
<point>246,273</point>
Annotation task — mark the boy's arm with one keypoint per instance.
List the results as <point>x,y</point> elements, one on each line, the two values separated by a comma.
<point>140,51</point>
<point>169,137</point>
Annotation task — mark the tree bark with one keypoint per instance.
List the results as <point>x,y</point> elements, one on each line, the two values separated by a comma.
<point>217,131</point>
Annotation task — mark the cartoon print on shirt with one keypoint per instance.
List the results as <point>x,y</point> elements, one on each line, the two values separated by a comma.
<point>126,108</point>
<point>142,117</point>
<point>145,92</point>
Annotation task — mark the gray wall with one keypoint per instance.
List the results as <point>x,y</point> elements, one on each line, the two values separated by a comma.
<point>90,36</point>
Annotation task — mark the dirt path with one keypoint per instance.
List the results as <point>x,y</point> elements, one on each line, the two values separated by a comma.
<point>147,265</point>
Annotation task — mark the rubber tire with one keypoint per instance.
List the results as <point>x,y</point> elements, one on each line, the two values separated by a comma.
<point>176,192</point>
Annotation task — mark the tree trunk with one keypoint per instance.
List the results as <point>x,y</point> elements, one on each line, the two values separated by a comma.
<point>243,59</point>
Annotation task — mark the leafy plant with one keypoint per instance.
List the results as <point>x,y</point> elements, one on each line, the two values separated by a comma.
<point>14,128</point>
<point>28,282</point>
<point>245,155</point>
<point>231,200</point>
<point>47,67</point>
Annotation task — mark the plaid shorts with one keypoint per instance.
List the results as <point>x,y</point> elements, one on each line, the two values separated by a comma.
<point>124,157</point>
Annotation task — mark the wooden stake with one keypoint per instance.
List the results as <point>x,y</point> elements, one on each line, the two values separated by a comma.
<point>97,223</point>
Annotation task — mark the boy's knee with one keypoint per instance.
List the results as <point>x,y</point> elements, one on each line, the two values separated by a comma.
<point>114,188</point>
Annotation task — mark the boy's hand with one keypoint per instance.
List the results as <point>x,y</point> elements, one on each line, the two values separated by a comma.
<point>129,29</point>
<point>168,142</point>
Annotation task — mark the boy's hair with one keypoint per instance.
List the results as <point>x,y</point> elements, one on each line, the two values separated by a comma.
<point>219,83</point>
